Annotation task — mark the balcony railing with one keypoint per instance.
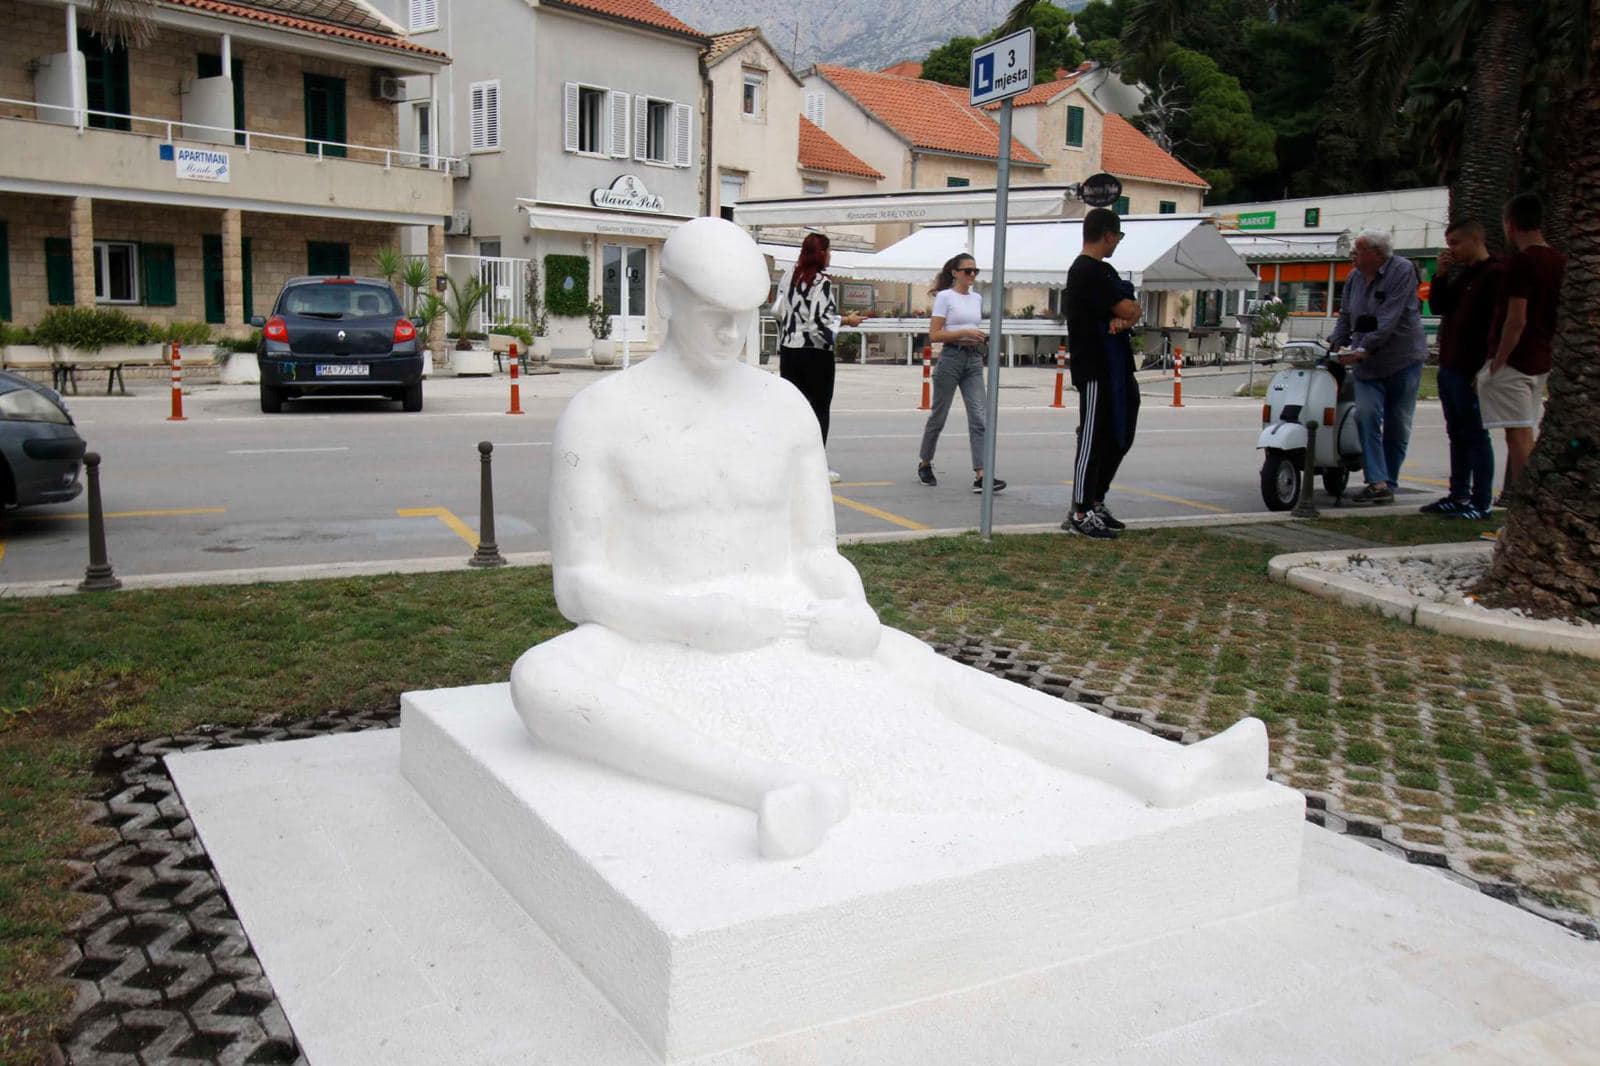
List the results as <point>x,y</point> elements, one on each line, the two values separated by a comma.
<point>171,129</point>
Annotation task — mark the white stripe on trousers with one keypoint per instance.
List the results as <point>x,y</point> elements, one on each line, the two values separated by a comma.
<point>1085,442</point>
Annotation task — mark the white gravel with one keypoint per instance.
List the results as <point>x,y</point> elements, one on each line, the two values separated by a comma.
<point>1438,580</point>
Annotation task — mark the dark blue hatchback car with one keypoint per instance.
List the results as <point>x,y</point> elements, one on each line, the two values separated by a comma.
<point>41,453</point>
<point>338,335</point>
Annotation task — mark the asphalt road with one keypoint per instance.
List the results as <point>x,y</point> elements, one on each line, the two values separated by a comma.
<point>356,480</point>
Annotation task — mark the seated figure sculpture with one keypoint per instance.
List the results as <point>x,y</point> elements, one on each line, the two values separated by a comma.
<point>694,543</point>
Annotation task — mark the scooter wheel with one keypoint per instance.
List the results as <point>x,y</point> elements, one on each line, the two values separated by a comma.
<point>1280,478</point>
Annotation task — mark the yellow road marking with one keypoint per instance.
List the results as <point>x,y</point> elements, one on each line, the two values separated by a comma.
<point>863,484</point>
<point>1428,481</point>
<point>1147,494</point>
<point>176,511</point>
<point>445,515</point>
<point>2,551</point>
<point>887,516</point>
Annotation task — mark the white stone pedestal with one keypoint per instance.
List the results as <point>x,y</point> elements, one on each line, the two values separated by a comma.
<point>662,901</point>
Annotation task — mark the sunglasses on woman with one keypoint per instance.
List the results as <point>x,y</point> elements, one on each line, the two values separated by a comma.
<point>969,271</point>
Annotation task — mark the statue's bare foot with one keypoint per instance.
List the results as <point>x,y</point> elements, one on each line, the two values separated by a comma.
<point>794,819</point>
<point>1233,760</point>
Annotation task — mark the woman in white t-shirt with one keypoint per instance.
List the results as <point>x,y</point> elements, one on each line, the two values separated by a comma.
<point>957,325</point>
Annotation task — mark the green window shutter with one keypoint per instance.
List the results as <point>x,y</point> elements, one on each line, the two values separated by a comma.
<point>5,275</point>
<point>158,266</point>
<point>58,271</point>
<point>327,258</point>
<point>957,183</point>
<point>249,281</point>
<point>211,276</point>
<point>1121,206</point>
<point>1075,127</point>
<point>325,114</point>
<point>1169,207</point>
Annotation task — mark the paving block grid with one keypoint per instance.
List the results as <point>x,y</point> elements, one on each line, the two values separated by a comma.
<point>161,968</point>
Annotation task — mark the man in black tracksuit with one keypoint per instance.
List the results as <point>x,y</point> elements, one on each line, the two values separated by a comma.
<point>1100,311</point>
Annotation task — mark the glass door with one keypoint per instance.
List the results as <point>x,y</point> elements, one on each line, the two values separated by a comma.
<point>622,273</point>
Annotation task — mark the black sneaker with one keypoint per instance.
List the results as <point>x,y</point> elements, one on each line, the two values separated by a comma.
<point>977,485</point>
<point>1374,494</point>
<point>1108,519</point>
<point>1090,525</point>
<point>925,475</point>
<point>1469,513</point>
<point>1445,505</point>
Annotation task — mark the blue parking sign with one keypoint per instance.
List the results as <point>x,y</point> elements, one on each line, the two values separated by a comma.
<point>1001,68</point>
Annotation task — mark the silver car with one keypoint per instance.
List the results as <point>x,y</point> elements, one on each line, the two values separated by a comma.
<point>41,453</point>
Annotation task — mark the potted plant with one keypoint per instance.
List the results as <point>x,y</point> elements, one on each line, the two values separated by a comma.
<point>538,314</point>
<point>605,350</point>
<point>19,350</point>
<point>423,316</point>
<point>463,300</point>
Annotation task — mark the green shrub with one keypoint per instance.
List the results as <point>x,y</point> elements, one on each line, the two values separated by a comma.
<point>10,335</point>
<point>599,321</point>
<point>566,285</point>
<point>188,334</point>
<point>89,329</point>
<point>518,330</point>
<point>240,344</point>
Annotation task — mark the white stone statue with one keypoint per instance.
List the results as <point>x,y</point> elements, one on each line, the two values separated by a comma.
<point>724,646</point>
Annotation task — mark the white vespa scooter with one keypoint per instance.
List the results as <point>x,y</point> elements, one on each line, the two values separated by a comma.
<point>1315,388</point>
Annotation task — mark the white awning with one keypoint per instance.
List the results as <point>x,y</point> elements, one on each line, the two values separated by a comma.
<point>926,205</point>
<point>573,218</point>
<point>1267,248</point>
<point>1157,252</point>
<point>841,262</point>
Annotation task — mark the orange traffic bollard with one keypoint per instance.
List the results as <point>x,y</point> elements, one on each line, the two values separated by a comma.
<point>927,378</point>
<point>1061,372</point>
<point>516,390</point>
<point>1177,377</point>
<point>177,385</point>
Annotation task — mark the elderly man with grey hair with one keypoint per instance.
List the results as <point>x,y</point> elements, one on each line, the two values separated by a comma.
<point>1380,330</point>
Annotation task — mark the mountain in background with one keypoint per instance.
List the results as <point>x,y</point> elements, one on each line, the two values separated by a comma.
<point>870,34</point>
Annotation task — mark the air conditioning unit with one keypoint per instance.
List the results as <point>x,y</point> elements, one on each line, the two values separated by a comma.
<point>461,168</point>
<point>388,87</point>
<point>458,224</point>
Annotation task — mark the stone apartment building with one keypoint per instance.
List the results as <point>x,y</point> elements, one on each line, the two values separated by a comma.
<point>186,178</point>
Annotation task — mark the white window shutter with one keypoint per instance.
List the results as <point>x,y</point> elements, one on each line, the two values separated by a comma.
<point>814,107</point>
<point>619,124</point>
<point>569,112</point>
<point>491,112</point>
<point>683,135</point>
<point>476,108</point>
<point>641,128</point>
<point>414,14</point>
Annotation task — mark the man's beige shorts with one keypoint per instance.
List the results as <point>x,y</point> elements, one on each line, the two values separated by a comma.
<point>1510,398</point>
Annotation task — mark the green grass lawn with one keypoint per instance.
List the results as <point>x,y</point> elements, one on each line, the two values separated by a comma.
<point>1486,750</point>
<point>1428,389</point>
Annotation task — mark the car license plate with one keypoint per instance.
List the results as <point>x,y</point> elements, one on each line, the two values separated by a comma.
<point>343,370</point>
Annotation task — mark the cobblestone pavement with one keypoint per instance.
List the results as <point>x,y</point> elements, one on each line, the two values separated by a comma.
<point>162,971</point>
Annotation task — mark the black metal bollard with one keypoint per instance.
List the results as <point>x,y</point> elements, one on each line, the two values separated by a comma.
<point>1306,505</point>
<point>488,553</point>
<point>98,576</point>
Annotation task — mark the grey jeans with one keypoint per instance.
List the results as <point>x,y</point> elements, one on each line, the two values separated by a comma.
<point>958,368</point>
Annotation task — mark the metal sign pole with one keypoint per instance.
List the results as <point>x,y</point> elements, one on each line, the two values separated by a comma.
<point>997,310</point>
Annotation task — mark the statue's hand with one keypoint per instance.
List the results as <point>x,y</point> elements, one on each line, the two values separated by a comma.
<point>736,624</point>
<point>846,628</point>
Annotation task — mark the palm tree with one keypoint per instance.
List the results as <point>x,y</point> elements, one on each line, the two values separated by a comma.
<point>123,22</point>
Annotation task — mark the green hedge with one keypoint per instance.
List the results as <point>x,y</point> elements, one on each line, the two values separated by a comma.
<point>89,329</point>
<point>560,298</point>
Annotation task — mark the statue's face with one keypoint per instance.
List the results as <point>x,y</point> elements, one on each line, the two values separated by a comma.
<point>704,332</point>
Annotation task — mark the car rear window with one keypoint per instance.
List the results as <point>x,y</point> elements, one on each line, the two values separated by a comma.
<point>340,301</point>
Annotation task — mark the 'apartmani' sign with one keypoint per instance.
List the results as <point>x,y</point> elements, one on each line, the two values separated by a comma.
<point>201,164</point>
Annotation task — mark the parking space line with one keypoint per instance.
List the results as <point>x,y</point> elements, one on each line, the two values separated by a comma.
<point>863,484</point>
<point>1163,497</point>
<point>887,516</point>
<point>445,515</point>
<point>172,513</point>
<point>283,451</point>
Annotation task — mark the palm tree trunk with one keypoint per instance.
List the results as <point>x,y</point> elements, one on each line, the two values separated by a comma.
<point>1548,557</point>
<point>1487,176</point>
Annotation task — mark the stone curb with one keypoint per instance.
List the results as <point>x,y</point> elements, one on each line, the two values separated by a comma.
<point>1302,570</point>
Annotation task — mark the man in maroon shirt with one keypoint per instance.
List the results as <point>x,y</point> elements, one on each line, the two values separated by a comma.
<point>1511,384</point>
<point>1466,291</point>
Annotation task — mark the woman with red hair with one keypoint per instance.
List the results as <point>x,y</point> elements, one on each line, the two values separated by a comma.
<point>808,319</point>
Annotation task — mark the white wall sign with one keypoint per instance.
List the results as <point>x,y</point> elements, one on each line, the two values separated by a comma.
<point>627,193</point>
<point>1003,68</point>
<point>201,164</point>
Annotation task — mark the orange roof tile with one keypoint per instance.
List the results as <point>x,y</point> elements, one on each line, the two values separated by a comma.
<point>723,43</point>
<point>296,22</point>
<point>906,68</point>
<point>819,151</point>
<point>642,12</point>
<point>1128,153</point>
<point>926,114</point>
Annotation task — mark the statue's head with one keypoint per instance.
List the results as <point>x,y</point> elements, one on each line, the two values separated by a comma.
<point>712,277</point>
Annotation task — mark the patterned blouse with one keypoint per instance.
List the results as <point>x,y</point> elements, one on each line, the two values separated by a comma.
<point>808,316</point>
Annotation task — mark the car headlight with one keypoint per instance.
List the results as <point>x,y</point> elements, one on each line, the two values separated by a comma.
<point>25,405</point>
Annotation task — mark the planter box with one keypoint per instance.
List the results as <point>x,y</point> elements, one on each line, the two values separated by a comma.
<point>604,351</point>
<point>26,356</point>
<point>240,368</point>
<point>474,362</point>
<point>114,355</point>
